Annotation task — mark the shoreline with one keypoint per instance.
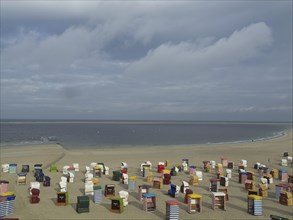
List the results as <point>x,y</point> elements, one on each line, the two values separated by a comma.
<point>104,146</point>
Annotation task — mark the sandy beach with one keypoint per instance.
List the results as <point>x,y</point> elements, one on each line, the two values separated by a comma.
<point>268,152</point>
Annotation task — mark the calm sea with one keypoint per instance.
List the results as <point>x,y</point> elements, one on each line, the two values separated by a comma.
<point>76,134</point>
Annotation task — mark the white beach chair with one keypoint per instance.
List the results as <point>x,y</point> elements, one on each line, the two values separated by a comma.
<point>63,186</point>
<point>145,163</point>
<point>107,171</point>
<point>125,178</point>
<point>184,166</point>
<point>264,181</point>
<point>87,170</point>
<point>89,188</point>
<point>243,163</point>
<point>184,186</point>
<point>64,170</point>
<point>75,166</point>
<point>213,164</point>
<point>93,165</point>
<point>124,165</point>
<point>34,185</point>
<point>284,162</point>
<point>229,173</point>
<point>199,175</point>
<point>124,195</point>
<point>64,179</point>
<point>5,168</point>
<point>71,177</point>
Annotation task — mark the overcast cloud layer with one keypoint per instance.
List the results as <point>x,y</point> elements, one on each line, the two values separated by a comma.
<point>175,60</point>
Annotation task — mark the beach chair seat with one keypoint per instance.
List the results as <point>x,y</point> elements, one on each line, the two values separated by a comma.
<point>53,168</point>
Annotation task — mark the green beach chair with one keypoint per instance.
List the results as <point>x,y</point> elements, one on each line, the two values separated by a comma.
<point>53,168</point>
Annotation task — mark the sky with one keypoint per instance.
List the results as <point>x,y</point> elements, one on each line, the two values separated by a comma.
<point>146,60</point>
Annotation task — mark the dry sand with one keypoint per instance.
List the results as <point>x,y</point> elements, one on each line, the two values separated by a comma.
<point>253,152</point>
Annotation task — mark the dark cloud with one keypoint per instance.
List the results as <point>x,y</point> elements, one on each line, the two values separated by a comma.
<point>181,60</point>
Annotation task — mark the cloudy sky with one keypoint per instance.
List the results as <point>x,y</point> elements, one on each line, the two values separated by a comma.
<point>179,60</point>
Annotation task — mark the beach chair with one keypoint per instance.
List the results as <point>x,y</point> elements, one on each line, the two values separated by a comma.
<point>194,203</point>
<point>213,164</point>
<point>263,190</point>
<point>125,178</point>
<point>192,169</point>
<point>167,179</point>
<point>116,175</point>
<point>21,179</point>
<point>37,168</point>
<point>184,186</point>
<point>107,170</point>
<point>88,177</point>
<point>229,173</point>
<point>187,192</point>
<point>284,162</point>
<point>70,177</point>
<point>124,195</point>
<point>146,163</point>
<point>53,168</point>
<point>89,188</point>
<point>193,180</point>
<point>117,205</point>
<point>75,166</point>
<point>157,183</point>
<point>35,196</point>
<point>185,164</point>
<point>124,167</point>
<point>224,181</point>
<point>109,190</point>
<point>12,168</point>
<point>161,167</point>
<point>219,200</point>
<point>132,183</point>
<point>174,190</point>
<point>87,170</point>
<point>40,176</point>
<point>95,181</point>
<point>199,175</point>
<point>63,186</point>
<point>150,178</point>
<point>149,202</point>
<point>5,168</point>
<point>3,186</point>
<point>286,198</point>
<point>25,169</point>
<point>83,204</point>
<point>47,181</point>
<point>142,189</point>
<point>103,167</point>
<point>62,199</point>
<point>174,171</point>
<point>34,185</point>
<point>172,209</point>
